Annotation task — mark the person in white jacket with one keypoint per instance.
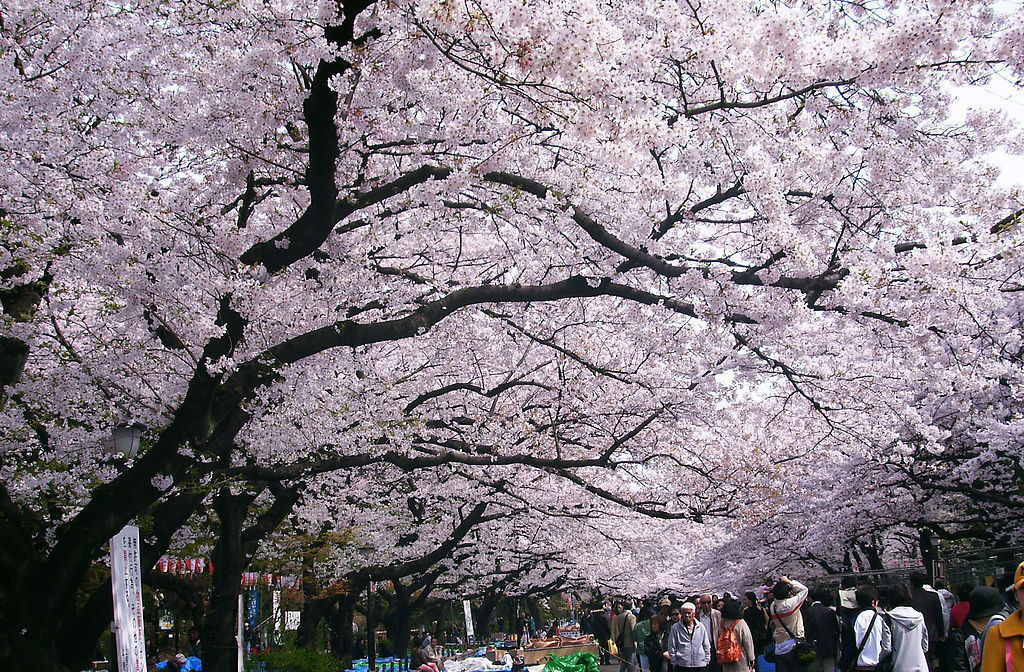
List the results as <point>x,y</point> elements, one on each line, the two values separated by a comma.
<point>909,633</point>
<point>689,645</point>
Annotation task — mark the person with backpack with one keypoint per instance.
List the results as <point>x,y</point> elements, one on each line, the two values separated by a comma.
<point>1003,649</point>
<point>640,633</point>
<point>847,611</point>
<point>735,645</point>
<point>966,642</point>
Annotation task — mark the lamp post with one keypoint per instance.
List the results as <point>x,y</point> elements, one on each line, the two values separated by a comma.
<point>929,553</point>
<point>126,573</point>
<point>371,627</point>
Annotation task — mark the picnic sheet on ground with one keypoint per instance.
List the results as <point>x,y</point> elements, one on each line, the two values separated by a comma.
<point>574,662</point>
<point>477,663</point>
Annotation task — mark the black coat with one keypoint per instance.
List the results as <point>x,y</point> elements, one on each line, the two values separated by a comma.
<point>600,627</point>
<point>822,627</point>
<point>959,660</point>
<point>757,620</point>
<point>930,606</point>
<point>656,644</point>
<point>848,639</point>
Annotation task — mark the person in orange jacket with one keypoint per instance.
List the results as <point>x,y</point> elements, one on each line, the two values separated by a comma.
<point>1004,644</point>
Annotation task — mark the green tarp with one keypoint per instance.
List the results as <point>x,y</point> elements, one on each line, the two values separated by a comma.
<point>574,662</point>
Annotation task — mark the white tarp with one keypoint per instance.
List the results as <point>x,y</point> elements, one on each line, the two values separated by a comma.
<point>126,583</point>
<point>477,665</point>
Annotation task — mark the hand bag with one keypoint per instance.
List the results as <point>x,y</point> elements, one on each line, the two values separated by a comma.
<point>888,661</point>
<point>806,652</point>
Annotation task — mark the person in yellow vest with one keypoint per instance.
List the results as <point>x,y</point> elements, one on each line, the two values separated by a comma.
<point>1003,650</point>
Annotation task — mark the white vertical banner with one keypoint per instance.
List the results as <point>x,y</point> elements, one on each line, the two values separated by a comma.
<point>240,633</point>
<point>126,583</point>
<point>276,617</point>
<point>470,635</point>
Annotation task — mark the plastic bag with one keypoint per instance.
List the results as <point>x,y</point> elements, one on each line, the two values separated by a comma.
<point>574,662</point>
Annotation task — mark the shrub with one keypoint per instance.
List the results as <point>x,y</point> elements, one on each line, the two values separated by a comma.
<point>292,660</point>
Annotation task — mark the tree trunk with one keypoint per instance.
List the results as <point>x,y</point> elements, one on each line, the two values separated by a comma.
<point>482,614</point>
<point>220,649</point>
<point>396,621</point>
<point>534,610</point>
<point>34,647</point>
<point>341,629</point>
<point>77,645</point>
<point>314,611</point>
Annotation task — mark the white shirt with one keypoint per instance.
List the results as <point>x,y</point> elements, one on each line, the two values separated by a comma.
<point>878,643</point>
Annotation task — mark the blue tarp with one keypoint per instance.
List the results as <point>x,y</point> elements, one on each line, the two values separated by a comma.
<point>363,664</point>
<point>192,664</point>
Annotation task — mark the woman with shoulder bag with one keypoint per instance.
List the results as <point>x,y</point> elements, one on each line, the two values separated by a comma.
<point>789,623</point>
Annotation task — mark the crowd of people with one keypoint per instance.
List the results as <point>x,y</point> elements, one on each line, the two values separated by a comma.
<point>912,627</point>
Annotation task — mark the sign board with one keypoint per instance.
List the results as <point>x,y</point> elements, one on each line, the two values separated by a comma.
<point>275,612</point>
<point>470,635</point>
<point>240,634</point>
<point>254,607</point>
<point>291,620</point>
<point>126,583</point>
<point>166,620</point>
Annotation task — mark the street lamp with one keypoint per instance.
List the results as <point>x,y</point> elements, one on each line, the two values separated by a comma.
<point>371,627</point>
<point>125,440</point>
<point>934,569</point>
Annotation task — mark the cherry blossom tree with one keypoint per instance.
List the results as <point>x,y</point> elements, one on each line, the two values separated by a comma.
<point>586,242</point>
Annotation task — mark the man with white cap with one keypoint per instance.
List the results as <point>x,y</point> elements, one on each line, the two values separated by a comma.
<point>689,645</point>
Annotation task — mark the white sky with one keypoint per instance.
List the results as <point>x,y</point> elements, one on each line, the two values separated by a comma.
<point>999,94</point>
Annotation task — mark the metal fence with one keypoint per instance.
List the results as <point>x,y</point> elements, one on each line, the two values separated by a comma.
<point>879,577</point>
<point>981,566</point>
<point>976,567</point>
